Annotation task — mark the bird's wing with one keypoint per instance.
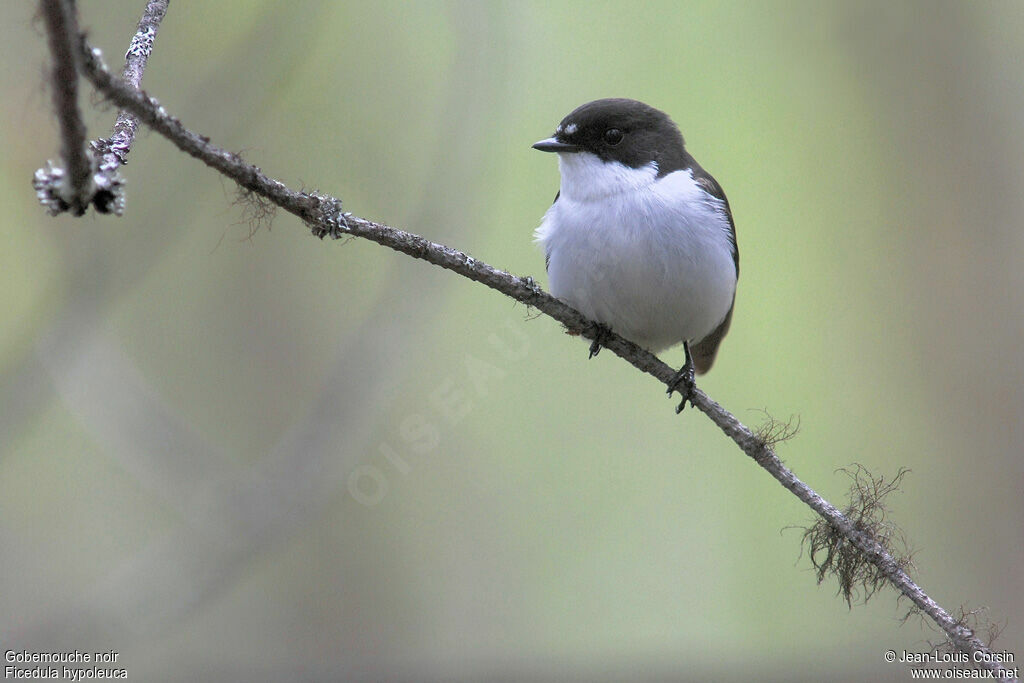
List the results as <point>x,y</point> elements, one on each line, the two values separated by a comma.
<point>703,352</point>
<point>707,181</point>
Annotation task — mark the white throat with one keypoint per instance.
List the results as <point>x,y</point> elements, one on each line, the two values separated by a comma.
<point>586,177</point>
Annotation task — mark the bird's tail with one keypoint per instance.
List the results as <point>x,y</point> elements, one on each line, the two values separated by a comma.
<point>703,352</point>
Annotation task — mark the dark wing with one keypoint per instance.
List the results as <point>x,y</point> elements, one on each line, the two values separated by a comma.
<point>711,186</point>
<point>547,252</point>
<point>703,352</point>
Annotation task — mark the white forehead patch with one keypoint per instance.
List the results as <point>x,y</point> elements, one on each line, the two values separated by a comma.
<point>571,129</point>
<point>558,131</point>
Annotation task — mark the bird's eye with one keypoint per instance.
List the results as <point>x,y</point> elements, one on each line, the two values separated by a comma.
<point>613,136</point>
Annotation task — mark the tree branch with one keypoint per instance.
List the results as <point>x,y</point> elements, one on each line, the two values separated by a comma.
<point>59,189</point>
<point>105,188</point>
<point>113,151</point>
<point>324,216</point>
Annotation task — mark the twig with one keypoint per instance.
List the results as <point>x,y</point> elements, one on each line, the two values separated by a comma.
<point>61,189</point>
<point>324,216</point>
<point>75,188</point>
<point>112,152</point>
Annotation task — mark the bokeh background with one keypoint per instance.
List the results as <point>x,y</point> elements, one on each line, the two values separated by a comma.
<point>244,454</point>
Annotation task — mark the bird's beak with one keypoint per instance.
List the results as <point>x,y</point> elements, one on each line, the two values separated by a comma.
<point>554,145</point>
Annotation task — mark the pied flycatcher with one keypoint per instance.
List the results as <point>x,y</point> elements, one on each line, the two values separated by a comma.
<point>640,238</point>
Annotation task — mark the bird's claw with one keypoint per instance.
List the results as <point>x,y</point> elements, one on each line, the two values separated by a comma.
<point>683,382</point>
<point>601,334</point>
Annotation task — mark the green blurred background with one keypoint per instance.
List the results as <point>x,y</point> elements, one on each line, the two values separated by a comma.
<point>255,457</point>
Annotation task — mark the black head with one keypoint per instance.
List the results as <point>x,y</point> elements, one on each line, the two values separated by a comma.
<point>619,129</point>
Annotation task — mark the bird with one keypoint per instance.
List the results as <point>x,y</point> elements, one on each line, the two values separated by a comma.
<point>640,238</point>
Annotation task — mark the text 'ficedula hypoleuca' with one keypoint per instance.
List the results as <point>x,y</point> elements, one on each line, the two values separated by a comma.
<point>640,238</point>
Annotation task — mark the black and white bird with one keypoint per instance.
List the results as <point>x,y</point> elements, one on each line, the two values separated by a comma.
<point>640,238</point>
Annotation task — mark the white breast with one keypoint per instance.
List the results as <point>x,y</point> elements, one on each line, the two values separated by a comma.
<point>649,257</point>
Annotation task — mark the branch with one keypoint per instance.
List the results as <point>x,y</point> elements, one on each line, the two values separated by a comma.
<point>59,189</point>
<point>105,188</point>
<point>324,216</point>
<point>113,151</point>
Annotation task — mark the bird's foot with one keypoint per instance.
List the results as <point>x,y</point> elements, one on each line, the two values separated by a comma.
<point>683,382</point>
<point>601,334</point>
